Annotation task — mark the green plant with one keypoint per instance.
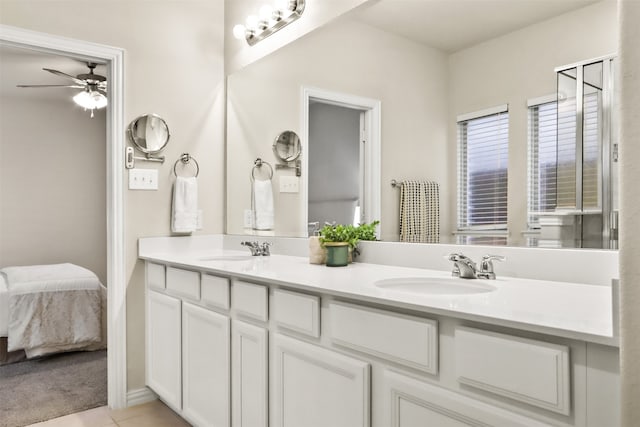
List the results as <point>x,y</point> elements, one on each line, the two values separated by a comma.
<point>348,233</point>
<point>339,233</point>
<point>367,231</point>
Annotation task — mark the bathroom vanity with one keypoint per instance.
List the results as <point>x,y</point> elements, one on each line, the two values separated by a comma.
<point>236,340</point>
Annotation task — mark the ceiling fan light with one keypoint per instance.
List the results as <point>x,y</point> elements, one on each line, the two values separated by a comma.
<point>90,100</point>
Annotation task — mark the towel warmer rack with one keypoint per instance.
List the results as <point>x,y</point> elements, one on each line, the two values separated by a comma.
<point>186,159</point>
<point>257,164</point>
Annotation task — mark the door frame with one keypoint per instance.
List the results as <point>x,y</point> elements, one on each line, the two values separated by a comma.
<point>113,58</point>
<point>372,147</point>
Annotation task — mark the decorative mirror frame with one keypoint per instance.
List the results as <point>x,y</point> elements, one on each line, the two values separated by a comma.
<point>291,162</point>
<point>149,154</point>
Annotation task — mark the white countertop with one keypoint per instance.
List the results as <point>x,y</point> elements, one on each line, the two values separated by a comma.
<point>563,309</point>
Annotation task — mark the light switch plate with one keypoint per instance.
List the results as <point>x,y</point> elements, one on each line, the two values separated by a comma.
<point>143,179</point>
<point>247,219</point>
<point>289,184</point>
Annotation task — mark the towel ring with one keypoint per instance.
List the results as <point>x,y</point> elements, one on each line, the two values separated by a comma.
<point>258,164</point>
<point>186,159</point>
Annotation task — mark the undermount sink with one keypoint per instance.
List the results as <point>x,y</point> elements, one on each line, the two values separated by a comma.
<point>435,286</point>
<point>226,258</point>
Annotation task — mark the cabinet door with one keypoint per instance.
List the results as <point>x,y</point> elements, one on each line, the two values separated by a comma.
<point>163,348</point>
<point>249,383</point>
<point>205,366</point>
<point>413,403</point>
<point>317,387</point>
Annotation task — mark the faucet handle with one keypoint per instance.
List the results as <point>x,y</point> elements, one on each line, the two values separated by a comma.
<point>486,266</point>
<point>489,258</point>
<point>264,248</point>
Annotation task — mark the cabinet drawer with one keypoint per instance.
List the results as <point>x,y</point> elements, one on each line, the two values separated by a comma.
<point>407,340</point>
<point>297,312</point>
<point>155,275</point>
<point>534,372</point>
<point>215,291</point>
<point>250,300</point>
<point>183,282</point>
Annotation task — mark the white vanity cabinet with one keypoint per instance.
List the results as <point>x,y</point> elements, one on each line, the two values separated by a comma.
<point>412,403</point>
<point>188,349</point>
<point>317,387</point>
<point>205,366</point>
<point>231,352</point>
<point>250,375</point>
<point>164,356</point>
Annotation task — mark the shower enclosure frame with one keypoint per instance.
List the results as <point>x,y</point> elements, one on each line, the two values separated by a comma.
<point>607,146</point>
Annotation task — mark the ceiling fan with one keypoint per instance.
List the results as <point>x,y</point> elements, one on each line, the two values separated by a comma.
<point>94,87</point>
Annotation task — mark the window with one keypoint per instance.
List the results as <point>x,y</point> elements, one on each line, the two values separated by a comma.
<point>543,154</point>
<point>552,156</point>
<point>483,140</point>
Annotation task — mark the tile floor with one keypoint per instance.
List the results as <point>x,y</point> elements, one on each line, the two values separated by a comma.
<point>152,414</point>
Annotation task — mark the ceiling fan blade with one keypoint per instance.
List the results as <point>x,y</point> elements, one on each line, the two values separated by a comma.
<point>72,86</point>
<point>61,74</point>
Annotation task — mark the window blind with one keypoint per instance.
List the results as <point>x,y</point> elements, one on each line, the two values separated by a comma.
<point>542,153</point>
<point>552,156</point>
<point>482,172</point>
<point>591,151</point>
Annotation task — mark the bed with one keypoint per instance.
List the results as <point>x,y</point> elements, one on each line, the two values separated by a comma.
<point>48,309</point>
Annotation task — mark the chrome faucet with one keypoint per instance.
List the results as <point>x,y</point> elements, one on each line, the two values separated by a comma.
<point>465,268</point>
<point>258,249</point>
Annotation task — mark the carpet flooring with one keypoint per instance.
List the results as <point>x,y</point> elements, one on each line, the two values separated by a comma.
<point>52,386</point>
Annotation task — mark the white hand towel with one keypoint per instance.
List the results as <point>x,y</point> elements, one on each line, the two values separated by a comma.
<point>185,205</point>
<point>263,204</point>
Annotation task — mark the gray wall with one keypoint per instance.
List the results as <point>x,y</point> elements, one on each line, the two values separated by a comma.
<point>53,183</point>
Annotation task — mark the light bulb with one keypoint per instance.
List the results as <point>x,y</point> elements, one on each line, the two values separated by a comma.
<point>252,22</point>
<point>282,5</point>
<point>266,12</point>
<point>239,31</point>
<point>90,100</point>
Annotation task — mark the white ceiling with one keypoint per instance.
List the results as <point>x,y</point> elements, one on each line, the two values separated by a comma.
<point>452,25</point>
<point>24,66</point>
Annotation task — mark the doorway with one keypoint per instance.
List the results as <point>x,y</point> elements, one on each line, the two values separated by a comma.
<point>341,172</point>
<point>113,58</point>
<point>336,181</point>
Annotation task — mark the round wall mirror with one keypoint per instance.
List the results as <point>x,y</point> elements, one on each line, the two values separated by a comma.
<point>149,133</point>
<point>287,146</point>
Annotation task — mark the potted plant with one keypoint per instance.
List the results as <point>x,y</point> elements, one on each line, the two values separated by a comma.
<point>336,239</point>
<point>340,240</point>
<point>364,232</point>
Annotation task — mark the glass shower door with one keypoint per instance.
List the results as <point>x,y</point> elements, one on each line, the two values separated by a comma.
<point>586,154</point>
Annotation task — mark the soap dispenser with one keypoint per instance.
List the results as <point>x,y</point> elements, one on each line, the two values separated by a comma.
<point>317,253</point>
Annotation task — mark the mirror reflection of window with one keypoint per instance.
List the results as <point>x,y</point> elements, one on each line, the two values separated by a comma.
<point>483,142</point>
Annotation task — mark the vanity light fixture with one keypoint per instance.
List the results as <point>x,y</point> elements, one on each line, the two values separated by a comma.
<point>90,99</point>
<point>269,20</point>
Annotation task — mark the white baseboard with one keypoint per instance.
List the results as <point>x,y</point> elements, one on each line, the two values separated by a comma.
<point>140,396</point>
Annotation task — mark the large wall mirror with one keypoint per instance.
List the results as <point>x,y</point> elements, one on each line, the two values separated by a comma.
<point>428,63</point>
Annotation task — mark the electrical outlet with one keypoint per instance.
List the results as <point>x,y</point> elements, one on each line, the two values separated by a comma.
<point>143,179</point>
<point>199,220</point>
<point>248,218</point>
<point>289,184</point>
